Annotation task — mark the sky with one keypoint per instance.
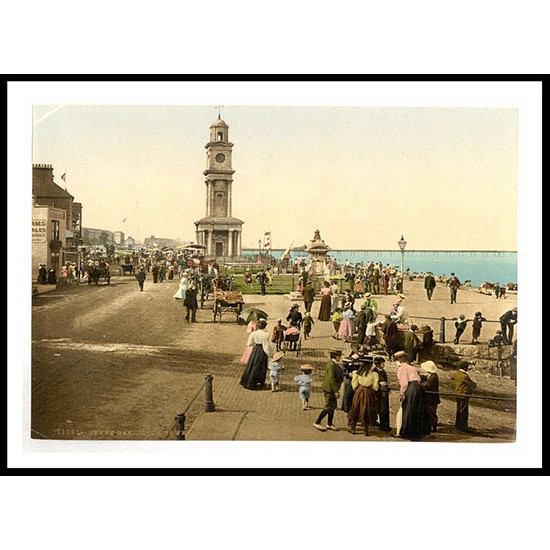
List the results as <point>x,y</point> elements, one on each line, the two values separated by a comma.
<point>364,168</point>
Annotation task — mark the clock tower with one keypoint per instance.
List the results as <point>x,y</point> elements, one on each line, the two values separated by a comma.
<point>219,231</point>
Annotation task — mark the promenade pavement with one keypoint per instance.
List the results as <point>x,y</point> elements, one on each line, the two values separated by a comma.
<point>278,416</point>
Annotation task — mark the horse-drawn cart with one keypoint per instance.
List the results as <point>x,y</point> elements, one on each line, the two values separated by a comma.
<point>227,301</point>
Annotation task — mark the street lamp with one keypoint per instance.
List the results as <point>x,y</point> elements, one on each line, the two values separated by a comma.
<point>402,244</point>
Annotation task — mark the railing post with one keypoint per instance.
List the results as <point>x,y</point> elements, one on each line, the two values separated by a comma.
<point>180,419</point>
<point>209,405</point>
<point>442,331</point>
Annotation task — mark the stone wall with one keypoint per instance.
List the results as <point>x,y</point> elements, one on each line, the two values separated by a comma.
<point>484,357</point>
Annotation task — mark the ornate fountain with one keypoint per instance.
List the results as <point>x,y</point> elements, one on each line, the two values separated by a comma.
<point>318,270</point>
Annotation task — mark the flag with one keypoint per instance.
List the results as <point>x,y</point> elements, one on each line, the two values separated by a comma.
<point>63,176</point>
<point>267,240</point>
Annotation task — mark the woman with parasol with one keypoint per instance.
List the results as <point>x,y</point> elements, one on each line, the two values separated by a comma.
<point>255,372</point>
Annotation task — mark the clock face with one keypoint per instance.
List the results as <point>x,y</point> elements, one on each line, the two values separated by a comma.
<point>220,157</point>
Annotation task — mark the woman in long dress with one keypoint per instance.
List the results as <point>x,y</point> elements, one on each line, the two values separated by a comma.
<point>255,372</point>
<point>364,382</point>
<point>326,300</point>
<point>347,326</point>
<point>414,422</point>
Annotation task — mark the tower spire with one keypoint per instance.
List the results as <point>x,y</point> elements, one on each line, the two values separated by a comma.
<point>219,111</point>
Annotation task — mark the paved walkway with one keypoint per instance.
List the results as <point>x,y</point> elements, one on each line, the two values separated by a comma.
<point>265,415</point>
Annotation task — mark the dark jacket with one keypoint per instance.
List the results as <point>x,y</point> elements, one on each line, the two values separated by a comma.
<point>429,282</point>
<point>190,299</point>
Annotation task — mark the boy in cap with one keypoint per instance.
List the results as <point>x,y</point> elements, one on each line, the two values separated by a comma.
<point>304,380</point>
<point>332,381</point>
<point>275,370</point>
<point>477,323</point>
<point>497,340</point>
<point>460,325</point>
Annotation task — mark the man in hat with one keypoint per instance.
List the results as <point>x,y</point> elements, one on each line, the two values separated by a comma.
<point>140,276</point>
<point>454,284</point>
<point>507,322</point>
<point>190,302</point>
<point>309,296</point>
<point>361,323</point>
<point>429,284</point>
<point>370,302</point>
<point>464,385</point>
<point>332,381</point>
<point>412,343</point>
<point>262,279</point>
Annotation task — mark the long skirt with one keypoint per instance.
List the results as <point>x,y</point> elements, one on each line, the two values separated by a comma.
<point>324,308</point>
<point>363,406</point>
<point>346,329</point>
<point>347,395</point>
<point>256,369</point>
<point>415,423</point>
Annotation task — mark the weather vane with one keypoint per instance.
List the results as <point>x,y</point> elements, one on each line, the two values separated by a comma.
<point>219,110</point>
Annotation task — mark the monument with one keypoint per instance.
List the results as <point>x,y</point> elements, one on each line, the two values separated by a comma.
<point>318,270</point>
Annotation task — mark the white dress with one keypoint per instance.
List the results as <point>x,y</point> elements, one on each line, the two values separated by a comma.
<point>180,293</point>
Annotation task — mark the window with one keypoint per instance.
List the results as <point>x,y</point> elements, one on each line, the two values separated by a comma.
<point>220,136</point>
<point>55,230</point>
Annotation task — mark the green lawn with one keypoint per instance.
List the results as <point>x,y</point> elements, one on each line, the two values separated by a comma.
<point>281,284</point>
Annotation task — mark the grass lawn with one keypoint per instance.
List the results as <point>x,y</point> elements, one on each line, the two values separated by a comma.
<point>281,284</point>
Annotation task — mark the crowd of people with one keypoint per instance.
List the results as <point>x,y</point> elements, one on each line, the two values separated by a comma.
<point>361,377</point>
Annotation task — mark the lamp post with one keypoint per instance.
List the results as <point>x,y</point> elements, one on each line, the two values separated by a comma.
<point>402,244</point>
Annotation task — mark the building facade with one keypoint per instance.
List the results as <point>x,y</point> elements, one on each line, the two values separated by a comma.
<point>48,237</point>
<point>219,232</point>
<point>58,216</point>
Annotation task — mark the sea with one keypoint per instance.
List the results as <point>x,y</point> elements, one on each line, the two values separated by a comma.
<point>476,266</point>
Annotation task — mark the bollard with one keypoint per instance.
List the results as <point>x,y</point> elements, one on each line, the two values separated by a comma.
<point>180,419</point>
<point>442,331</point>
<point>209,405</point>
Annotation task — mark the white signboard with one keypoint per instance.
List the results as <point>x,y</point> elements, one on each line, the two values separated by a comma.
<point>39,230</point>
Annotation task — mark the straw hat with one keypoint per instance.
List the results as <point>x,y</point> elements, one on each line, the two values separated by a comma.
<point>306,367</point>
<point>429,366</point>
<point>401,296</point>
<point>399,355</point>
<point>278,355</point>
